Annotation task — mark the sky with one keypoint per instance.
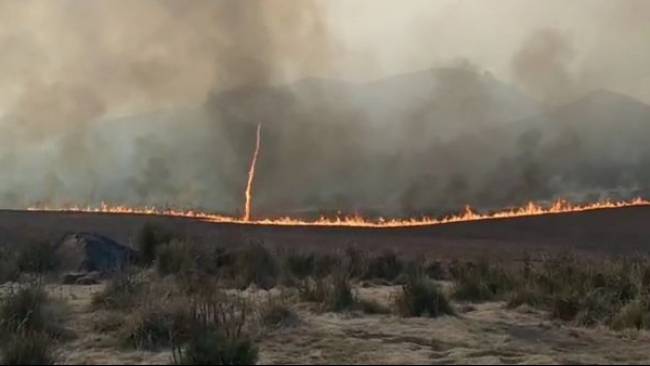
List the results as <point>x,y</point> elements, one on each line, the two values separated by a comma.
<point>156,54</point>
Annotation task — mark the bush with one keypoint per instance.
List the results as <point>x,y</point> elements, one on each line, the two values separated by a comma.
<point>386,266</point>
<point>333,293</point>
<point>9,270</point>
<point>275,314</point>
<point>324,265</point>
<point>565,307</point>
<point>147,241</point>
<point>372,307</point>
<point>313,290</point>
<point>526,294</point>
<point>209,346</point>
<point>175,257</point>
<point>121,293</point>
<point>36,257</point>
<point>31,310</point>
<point>152,327</point>
<point>217,333</point>
<point>420,297</point>
<point>255,264</point>
<point>299,265</point>
<point>435,270</point>
<point>482,282</point>
<point>28,349</point>
<point>340,296</point>
<point>355,262</point>
<point>635,315</point>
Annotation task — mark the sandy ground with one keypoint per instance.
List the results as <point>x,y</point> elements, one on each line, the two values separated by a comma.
<point>481,334</point>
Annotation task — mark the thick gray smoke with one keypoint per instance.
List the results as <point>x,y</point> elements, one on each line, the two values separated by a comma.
<point>156,103</point>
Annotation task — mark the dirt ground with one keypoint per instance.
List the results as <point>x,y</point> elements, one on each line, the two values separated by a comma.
<point>481,334</point>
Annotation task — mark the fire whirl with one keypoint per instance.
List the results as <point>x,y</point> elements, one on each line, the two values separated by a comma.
<point>530,209</point>
<point>251,176</point>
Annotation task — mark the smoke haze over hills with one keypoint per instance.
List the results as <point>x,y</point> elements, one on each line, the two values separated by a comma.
<point>370,107</point>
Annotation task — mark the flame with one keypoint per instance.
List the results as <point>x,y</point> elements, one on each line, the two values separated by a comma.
<point>251,176</point>
<point>531,209</point>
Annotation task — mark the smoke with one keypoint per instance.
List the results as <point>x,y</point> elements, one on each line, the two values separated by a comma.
<point>542,66</point>
<point>369,106</point>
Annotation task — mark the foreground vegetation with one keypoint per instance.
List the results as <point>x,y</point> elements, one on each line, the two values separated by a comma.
<point>204,313</point>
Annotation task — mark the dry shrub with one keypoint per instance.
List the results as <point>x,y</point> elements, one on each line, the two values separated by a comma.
<point>372,307</point>
<point>481,282</point>
<point>155,326</point>
<point>385,266</point>
<point>217,332</point>
<point>149,239</point>
<point>30,310</point>
<point>31,348</point>
<point>333,293</point>
<point>277,313</point>
<point>421,297</point>
<point>121,293</point>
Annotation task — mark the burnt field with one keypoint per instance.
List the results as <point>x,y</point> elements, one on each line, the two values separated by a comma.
<point>622,231</point>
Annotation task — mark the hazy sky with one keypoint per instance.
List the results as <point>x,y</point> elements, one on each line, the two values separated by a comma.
<point>152,54</point>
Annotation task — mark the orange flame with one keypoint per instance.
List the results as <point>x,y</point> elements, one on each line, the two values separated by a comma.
<point>251,177</point>
<point>531,209</point>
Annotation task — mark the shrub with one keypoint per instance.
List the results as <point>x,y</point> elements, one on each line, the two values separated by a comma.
<point>36,257</point>
<point>313,290</point>
<point>386,266</point>
<point>152,327</point>
<point>105,322</point>
<point>217,333</point>
<point>175,257</point>
<point>275,314</point>
<point>147,241</point>
<point>372,307</point>
<point>333,293</point>
<point>340,296</point>
<point>355,262</point>
<point>526,294</point>
<point>325,264</point>
<point>209,346</point>
<point>635,315</point>
<point>9,270</point>
<point>300,265</point>
<point>420,296</point>
<point>30,348</point>
<point>435,270</point>
<point>121,293</point>
<point>565,307</point>
<point>255,264</point>
<point>30,310</point>
<point>482,282</point>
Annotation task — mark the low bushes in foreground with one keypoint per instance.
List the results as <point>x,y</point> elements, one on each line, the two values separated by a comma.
<point>30,323</point>
<point>334,293</point>
<point>276,313</point>
<point>421,297</point>
<point>217,333</point>
<point>30,310</point>
<point>30,348</point>
<point>121,293</point>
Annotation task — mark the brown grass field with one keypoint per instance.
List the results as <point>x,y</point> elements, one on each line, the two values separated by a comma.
<point>622,231</point>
